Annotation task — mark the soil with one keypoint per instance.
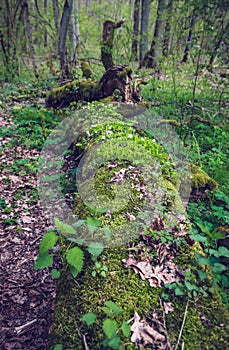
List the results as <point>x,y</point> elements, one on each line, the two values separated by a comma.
<point>27,296</point>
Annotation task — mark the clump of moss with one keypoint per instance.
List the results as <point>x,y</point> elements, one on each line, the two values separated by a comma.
<point>200,180</point>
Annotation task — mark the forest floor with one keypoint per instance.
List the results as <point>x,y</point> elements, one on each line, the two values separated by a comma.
<point>27,296</point>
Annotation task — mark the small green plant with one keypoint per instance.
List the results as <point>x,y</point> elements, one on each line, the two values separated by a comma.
<point>113,330</point>
<point>68,252</point>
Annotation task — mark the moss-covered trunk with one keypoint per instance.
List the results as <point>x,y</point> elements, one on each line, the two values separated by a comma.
<point>133,270</point>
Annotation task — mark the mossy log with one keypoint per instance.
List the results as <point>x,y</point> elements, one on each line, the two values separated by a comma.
<point>115,78</point>
<point>205,319</point>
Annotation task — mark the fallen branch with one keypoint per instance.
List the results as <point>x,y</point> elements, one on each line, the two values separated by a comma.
<point>182,326</point>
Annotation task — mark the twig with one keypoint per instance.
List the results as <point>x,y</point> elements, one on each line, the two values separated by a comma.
<point>20,329</point>
<point>182,326</point>
<point>85,343</point>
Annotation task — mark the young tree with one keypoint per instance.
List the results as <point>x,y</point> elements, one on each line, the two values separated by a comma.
<point>151,59</point>
<point>66,14</point>
<point>167,34</point>
<point>136,18</point>
<point>144,29</point>
<point>29,34</point>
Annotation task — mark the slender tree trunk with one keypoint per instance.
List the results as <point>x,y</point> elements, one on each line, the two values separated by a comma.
<point>165,50</point>
<point>189,38</point>
<point>56,12</point>
<point>151,59</point>
<point>63,36</point>
<point>29,34</point>
<point>45,33</point>
<point>144,29</point>
<point>136,30</point>
<point>75,29</point>
<point>219,40</point>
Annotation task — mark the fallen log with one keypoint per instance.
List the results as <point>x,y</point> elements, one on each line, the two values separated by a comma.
<point>115,78</point>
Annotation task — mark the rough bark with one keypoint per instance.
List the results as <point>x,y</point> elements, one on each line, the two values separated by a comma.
<point>115,78</point>
<point>144,29</point>
<point>63,35</point>
<point>107,43</point>
<point>151,59</point>
<point>136,29</point>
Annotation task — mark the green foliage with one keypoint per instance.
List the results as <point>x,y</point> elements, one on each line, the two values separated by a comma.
<point>89,318</point>
<point>74,257</point>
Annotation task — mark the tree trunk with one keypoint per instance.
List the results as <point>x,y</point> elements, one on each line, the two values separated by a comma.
<point>144,29</point>
<point>45,33</point>
<point>29,34</point>
<point>107,44</point>
<point>75,30</point>
<point>220,38</point>
<point>63,36</point>
<point>56,12</point>
<point>189,38</point>
<point>167,29</point>
<point>136,30</point>
<point>152,57</point>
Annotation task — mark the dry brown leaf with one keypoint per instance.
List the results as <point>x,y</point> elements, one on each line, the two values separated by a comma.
<point>143,333</point>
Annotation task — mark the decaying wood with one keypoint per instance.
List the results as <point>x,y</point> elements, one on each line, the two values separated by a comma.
<point>115,78</point>
<point>107,44</point>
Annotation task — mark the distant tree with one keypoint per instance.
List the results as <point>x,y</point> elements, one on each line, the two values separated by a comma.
<point>169,16</point>
<point>144,30</point>
<point>151,59</point>
<point>135,40</point>
<point>66,15</point>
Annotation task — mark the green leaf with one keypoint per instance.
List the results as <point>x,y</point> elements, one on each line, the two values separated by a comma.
<point>191,286</point>
<point>114,307</point>
<point>223,251</point>
<point>218,268</point>
<point>78,223</point>
<point>110,327</point>
<point>75,257</point>
<point>55,273</point>
<point>63,228</point>
<point>199,238</point>
<point>95,249</point>
<point>89,318</point>
<point>43,260</point>
<point>113,343</point>
<point>107,232</point>
<point>93,224</point>
<point>79,241</point>
<point>126,329</point>
<point>48,241</point>
<point>203,261</point>
<point>178,291</point>
<point>58,347</point>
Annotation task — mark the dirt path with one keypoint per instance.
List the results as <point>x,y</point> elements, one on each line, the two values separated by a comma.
<point>27,296</point>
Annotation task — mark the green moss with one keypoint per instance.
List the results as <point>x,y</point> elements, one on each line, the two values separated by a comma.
<point>200,180</point>
<point>75,298</point>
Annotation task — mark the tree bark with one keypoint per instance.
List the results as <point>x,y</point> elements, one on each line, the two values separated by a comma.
<point>32,51</point>
<point>56,12</point>
<point>63,36</point>
<point>165,50</point>
<point>136,30</point>
<point>220,38</point>
<point>45,33</point>
<point>189,37</point>
<point>107,43</point>
<point>115,78</point>
<point>144,29</point>
<point>152,57</point>
<point>75,29</point>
